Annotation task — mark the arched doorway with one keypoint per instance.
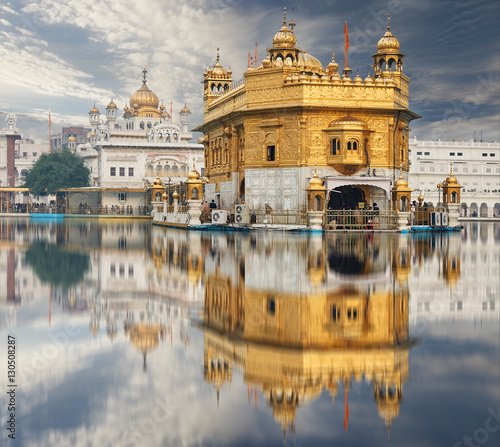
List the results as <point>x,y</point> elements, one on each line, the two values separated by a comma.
<point>345,197</point>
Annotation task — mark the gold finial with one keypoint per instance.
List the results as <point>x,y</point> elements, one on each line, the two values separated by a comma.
<point>193,163</point>
<point>451,167</point>
<point>284,16</point>
<point>315,170</point>
<point>292,23</point>
<point>217,54</point>
<point>333,56</point>
<point>388,22</point>
<point>144,75</point>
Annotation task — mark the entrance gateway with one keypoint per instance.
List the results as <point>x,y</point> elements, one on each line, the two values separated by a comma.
<point>349,192</point>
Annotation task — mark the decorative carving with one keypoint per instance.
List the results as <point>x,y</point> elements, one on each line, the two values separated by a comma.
<point>378,141</point>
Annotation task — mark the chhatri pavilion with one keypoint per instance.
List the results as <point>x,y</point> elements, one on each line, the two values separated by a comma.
<point>264,135</point>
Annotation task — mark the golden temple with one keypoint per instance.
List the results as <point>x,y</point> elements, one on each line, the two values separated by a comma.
<point>264,134</point>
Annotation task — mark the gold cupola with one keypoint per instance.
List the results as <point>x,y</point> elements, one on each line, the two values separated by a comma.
<point>144,97</point>
<point>284,38</point>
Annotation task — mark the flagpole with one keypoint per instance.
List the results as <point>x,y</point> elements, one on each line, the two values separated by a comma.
<point>255,54</point>
<point>50,142</point>
<point>346,43</point>
<point>171,110</point>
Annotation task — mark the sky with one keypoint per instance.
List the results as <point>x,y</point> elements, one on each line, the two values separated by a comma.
<point>63,55</point>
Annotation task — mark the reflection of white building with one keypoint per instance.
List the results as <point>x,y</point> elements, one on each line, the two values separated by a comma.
<point>455,277</point>
<point>475,164</point>
<point>146,144</point>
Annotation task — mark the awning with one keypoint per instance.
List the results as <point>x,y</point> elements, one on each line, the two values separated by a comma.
<point>379,182</point>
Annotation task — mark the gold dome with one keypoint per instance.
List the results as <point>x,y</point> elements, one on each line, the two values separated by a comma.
<point>157,181</point>
<point>94,109</point>
<point>388,43</point>
<point>315,181</point>
<point>333,67</point>
<point>451,179</point>
<point>111,105</point>
<point>193,175</point>
<point>144,97</point>
<point>284,38</point>
<point>164,196</point>
<point>309,62</point>
<point>185,109</point>
<point>401,182</point>
<point>71,138</point>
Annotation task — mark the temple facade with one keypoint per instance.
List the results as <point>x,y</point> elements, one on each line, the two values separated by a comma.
<point>264,135</point>
<point>130,153</point>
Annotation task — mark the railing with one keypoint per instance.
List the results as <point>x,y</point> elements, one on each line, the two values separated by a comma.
<point>279,217</point>
<point>90,210</point>
<point>422,215</point>
<point>361,220</point>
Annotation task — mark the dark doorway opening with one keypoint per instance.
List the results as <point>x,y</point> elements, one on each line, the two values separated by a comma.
<point>345,197</point>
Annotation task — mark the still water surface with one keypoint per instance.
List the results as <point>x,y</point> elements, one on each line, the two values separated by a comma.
<point>128,334</point>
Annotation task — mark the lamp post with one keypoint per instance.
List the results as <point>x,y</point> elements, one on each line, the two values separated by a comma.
<point>439,186</point>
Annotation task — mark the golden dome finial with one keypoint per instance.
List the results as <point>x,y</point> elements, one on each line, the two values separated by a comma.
<point>451,168</point>
<point>292,23</point>
<point>218,54</point>
<point>144,75</point>
<point>388,22</point>
<point>284,16</point>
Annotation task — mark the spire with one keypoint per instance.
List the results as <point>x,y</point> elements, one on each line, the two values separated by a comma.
<point>218,54</point>
<point>388,22</point>
<point>284,16</point>
<point>292,23</point>
<point>144,75</point>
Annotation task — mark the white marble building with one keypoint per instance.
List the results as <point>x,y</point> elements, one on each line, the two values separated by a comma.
<point>131,152</point>
<point>475,164</point>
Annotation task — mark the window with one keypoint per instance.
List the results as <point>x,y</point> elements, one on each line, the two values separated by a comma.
<point>459,305</point>
<point>271,153</point>
<point>485,155</point>
<point>271,306</point>
<point>492,155</point>
<point>141,125</point>
<point>419,153</point>
<point>427,153</point>
<point>112,269</point>
<point>112,171</point>
<point>122,196</point>
<point>335,313</point>
<point>35,154</point>
<point>335,146</point>
<point>459,154</point>
<point>122,172</point>
<point>122,270</point>
<point>352,145</point>
<point>25,154</point>
<point>130,271</point>
<point>130,172</point>
<point>452,154</point>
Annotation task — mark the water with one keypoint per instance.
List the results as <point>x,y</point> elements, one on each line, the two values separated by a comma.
<point>127,334</point>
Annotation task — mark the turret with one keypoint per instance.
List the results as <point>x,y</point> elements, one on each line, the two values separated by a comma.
<point>94,116</point>
<point>217,81</point>
<point>111,113</point>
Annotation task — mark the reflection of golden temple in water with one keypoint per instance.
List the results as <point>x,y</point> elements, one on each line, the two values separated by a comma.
<point>292,346</point>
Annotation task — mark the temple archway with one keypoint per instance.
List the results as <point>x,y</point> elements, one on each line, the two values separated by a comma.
<point>345,197</point>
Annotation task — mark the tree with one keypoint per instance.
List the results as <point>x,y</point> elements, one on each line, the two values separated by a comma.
<point>56,171</point>
<point>55,266</point>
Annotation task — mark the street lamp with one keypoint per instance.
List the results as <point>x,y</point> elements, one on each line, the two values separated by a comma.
<point>439,185</point>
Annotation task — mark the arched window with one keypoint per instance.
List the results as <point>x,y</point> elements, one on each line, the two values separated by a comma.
<point>141,125</point>
<point>352,145</point>
<point>335,146</point>
<point>149,125</point>
<point>167,169</point>
<point>454,197</point>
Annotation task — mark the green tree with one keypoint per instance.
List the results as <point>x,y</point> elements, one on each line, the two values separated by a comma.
<point>56,171</point>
